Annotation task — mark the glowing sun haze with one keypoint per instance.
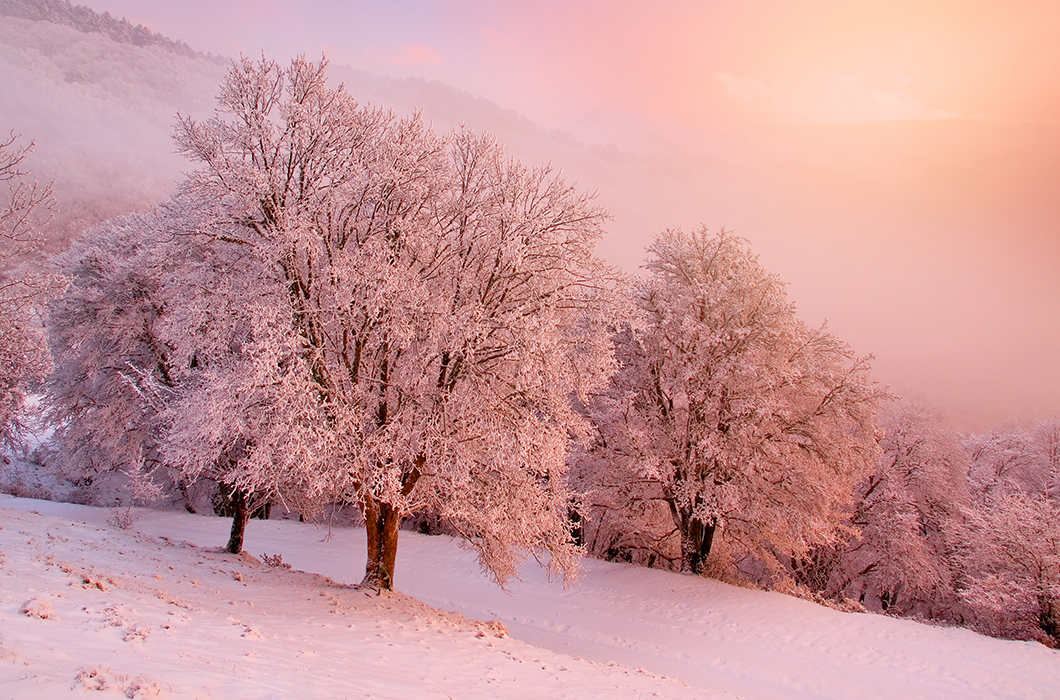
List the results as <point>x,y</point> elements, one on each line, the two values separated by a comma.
<point>896,161</point>
<point>817,60</point>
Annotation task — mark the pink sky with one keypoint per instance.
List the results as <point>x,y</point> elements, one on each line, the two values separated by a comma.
<point>691,60</point>
<point>907,151</point>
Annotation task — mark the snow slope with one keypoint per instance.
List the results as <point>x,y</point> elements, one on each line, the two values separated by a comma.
<point>174,618</point>
<point>85,606</point>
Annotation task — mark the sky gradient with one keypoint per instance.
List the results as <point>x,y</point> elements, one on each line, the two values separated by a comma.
<point>694,62</point>
<point>896,162</point>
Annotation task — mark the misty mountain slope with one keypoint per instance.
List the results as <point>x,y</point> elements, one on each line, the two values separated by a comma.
<point>101,113</point>
<point>85,19</point>
<point>169,610</point>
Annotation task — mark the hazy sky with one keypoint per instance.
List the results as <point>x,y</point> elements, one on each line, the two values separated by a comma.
<point>912,147</point>
<point>696,60</point>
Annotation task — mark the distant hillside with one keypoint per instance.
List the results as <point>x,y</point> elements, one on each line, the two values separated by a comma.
<point>100,109</point>
<point>87,20</point>
<point>99,96</point>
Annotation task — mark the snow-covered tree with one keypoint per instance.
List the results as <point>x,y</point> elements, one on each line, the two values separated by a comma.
<point>728,413</point>
<point>115,389</point>
<point>1003,460</point>
<point>1011,564</point>
<point>904,512</point>
<point>111,365</point>
<point>1009,538</point>
<point>24,358</point>
<point>1023,459</point>
<point>390,317</point>
<point>1047,444</point>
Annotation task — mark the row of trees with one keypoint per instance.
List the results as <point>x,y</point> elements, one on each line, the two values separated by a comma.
<point>962,529</point>
<point>341,306</point>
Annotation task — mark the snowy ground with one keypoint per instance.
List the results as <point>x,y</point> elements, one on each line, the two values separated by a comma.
<point>153,611</point>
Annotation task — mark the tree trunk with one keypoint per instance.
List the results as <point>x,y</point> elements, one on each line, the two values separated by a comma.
<point>1049,616</point>
<point>697,537</point>
<point>240,515</point>
<point>577,531</point>
<point>381,521</point>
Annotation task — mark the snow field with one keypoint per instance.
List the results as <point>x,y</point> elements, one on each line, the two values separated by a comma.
<point>137,615</point>
<point>175,618</point>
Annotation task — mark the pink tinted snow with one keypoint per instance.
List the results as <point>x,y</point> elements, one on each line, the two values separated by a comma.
<point>278,632</point>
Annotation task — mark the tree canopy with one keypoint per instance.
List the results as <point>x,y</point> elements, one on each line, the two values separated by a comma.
<point>730,412</point>
<point>384,316</point>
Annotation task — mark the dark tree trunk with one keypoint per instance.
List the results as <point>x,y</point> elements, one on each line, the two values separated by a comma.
<point>697,537</point>
<point>1049,616</point>
<point>240,515</point>
<point>381,521</point>
<point>577,531</point>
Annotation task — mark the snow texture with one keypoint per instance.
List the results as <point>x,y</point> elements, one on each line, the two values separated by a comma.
<point>157,611</point>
